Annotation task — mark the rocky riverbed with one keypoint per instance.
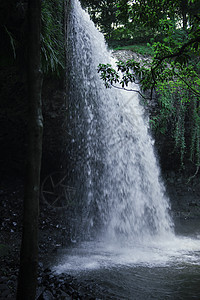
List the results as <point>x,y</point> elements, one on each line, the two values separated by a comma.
<point>53,236</point>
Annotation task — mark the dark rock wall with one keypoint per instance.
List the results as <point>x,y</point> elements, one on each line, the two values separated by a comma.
<point>13,116</point>
<point>14,119</point>
<point>55,126</point>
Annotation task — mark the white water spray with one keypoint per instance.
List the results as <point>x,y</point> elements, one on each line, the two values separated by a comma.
<point>120,179</point>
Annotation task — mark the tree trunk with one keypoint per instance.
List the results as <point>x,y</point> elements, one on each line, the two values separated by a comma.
<point>184,7</point>
<point>27,281</point>
<point>66,31</point>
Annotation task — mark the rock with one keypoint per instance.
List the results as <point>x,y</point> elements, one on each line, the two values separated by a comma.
<point>64,295</point>
<point>197,189</point>
<point>192,204</point>
<point>3,287</point>
<point>39,293</point>
<point>13,277</point>
<point>70,290</point>
<point>47,295</point>
<point>5,293</point>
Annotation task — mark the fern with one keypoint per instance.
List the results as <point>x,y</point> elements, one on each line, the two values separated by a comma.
<point>52,37</point>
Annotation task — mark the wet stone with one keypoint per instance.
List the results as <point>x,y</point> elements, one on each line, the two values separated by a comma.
<point>3,279</point>
<point>47,295</point>
<point>63,294</point>
<point>70,290</point>
<point>5,293</point>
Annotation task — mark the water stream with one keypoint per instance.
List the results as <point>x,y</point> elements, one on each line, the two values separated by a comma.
<point>128,240</point>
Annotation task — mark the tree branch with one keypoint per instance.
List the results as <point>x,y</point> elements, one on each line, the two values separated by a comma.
<point>179,52</point>
<point>131,90</point>
<point>193,90</point>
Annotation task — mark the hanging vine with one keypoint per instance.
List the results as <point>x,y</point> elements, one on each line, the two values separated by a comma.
<point>178,113</point>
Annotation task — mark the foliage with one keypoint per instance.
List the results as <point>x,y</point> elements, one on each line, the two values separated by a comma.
<point>13,31</point>
<point>103,14</point>
<point>138,20</point>
<point>52,37</point>
<point>178,115</point>
<point>149,13</point>
<point>174,72</point>
<point>112,19</point>
<point>9,32</point>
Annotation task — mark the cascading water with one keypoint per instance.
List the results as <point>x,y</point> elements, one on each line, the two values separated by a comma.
<point>127,243</point>
<point>120,180</point>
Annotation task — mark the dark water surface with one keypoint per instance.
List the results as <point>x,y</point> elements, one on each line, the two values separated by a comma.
<point>140,282</point>
<point>162,269</point>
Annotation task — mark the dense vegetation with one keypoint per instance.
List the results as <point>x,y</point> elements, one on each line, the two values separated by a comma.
<point>13,31</point>
<point>172,30</point>
<point>166,30</point>
<point>52,37</point>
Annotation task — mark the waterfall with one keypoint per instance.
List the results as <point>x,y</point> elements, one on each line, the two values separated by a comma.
<point>120,192</point>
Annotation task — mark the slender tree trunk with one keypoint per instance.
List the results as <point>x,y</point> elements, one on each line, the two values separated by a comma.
<point>65,45</point>
<point>184,7</point>
<point>27,281</point>
<point>66,29</point>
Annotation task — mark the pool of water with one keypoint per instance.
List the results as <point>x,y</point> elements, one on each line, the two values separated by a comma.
<point>160,269</point>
